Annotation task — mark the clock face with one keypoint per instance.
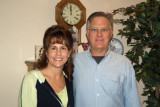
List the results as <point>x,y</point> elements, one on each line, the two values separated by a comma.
<point>116,46</point>
<point>71,14</point>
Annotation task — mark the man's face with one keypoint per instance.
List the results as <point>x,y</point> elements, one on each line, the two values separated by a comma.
<point>99,34</point>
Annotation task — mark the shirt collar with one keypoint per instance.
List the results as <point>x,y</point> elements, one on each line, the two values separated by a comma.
<point>90,55</point>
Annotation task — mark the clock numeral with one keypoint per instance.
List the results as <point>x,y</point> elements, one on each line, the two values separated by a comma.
<point>67,6</point>
<point>64,10</point>
<point>63,14</point>
<point>65,18</point>
<point>76,18</point>
<point>77,10</point>
<point>70,22</point>
<point>75,22</point>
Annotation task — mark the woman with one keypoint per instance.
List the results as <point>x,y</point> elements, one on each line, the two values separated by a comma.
<point>50,85</point>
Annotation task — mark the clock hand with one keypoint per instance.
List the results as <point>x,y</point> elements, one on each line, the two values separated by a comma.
<point>70,9</point>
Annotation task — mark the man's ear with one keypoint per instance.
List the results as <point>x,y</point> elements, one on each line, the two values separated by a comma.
<point>87,34</point>
<point>111,33</point>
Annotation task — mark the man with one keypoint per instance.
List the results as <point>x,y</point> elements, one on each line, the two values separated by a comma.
<point>103,78</point>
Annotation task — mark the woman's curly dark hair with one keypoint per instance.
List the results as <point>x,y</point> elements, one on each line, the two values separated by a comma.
<point>57,34</point>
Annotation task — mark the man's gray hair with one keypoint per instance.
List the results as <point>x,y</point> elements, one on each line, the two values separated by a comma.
<point>100,14</point>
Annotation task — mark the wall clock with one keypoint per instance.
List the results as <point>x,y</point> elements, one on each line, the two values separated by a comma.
<point>116,46</point>
<point>71,13</point>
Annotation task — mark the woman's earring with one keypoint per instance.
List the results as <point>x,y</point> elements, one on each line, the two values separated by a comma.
<point>47,60</point>
<point>68,61</point>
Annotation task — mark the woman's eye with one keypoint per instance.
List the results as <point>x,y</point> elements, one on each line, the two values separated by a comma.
<point>53,48</point>
<point>63,48</point>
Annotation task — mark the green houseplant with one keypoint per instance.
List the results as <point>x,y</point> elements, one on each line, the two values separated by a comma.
<point>142,31</point>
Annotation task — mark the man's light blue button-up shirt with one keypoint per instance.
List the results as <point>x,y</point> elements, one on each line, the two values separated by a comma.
<point>111,83</point>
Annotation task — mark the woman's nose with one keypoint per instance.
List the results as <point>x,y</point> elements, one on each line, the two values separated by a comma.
<point>58,52</point>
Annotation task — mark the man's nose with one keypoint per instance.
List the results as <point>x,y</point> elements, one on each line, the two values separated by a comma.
<point>99,32</point>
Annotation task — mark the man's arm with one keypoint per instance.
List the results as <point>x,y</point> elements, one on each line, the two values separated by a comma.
<point>131,91</point>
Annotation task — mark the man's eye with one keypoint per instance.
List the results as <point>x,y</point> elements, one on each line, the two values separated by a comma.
<point>103,29</point>
<point>94,29</point>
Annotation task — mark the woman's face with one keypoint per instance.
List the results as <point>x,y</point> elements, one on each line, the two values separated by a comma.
<point>57,55</point>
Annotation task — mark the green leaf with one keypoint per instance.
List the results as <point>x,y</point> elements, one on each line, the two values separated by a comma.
<point>141,27</point>
<point>144,74</point>
<point>145,93</point>
<point>129,40</point>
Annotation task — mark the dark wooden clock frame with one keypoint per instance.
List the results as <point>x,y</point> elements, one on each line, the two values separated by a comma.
<point>60,21</point>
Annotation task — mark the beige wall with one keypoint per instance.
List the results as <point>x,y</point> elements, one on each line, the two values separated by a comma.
<point>22,25</point>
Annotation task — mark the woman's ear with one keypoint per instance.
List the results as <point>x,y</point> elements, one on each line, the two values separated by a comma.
<point>69,53</point>
<point>47,54</point>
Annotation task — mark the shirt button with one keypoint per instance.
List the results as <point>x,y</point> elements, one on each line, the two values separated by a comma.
<point>97,80</point>
<point>97,94</point>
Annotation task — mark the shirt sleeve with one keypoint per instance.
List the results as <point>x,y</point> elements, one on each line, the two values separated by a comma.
<point>28,92</point>
<point>131,91</point>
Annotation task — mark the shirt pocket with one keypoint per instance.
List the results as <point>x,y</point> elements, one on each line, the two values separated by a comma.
<point>111,84</point>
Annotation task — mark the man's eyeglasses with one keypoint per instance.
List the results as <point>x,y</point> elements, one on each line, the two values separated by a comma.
<point>95,30</point>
